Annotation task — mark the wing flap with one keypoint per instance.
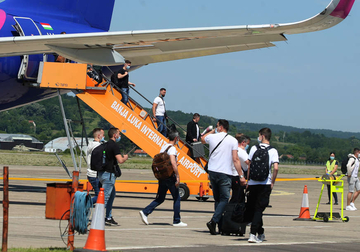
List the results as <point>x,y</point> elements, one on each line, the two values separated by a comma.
<point>143,57</point>
<point>217,42</point>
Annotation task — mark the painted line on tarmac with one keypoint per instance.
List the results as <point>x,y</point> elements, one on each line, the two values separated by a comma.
<point>148,181</point>
<point>296,179</point>
<point>200,228</point>
<point>233,245</point>
<point>280,193</point>
<point>205,216</point>
<point>156,247</point>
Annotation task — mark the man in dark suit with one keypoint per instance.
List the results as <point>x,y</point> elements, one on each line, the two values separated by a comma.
<point>193,131</point>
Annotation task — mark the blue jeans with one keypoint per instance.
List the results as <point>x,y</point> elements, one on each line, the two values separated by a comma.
<point>107,180</point>
<point>125,95</point>
<point>221,185</point>
<point>96,186</point>
<point>161,125</point>
<point>164,186</point>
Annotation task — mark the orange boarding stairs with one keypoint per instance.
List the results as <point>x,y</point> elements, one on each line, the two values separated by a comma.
<point>133,121</point>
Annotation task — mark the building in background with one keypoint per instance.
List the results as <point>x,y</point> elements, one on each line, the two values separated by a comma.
<point>26,142</point>
<point>140,153</point>
<point>61,144</point>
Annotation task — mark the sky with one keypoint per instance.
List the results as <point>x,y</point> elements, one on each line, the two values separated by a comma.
<point>310,81</point>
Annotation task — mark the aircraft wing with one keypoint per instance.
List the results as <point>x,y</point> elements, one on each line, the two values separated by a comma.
<point>150,46</point>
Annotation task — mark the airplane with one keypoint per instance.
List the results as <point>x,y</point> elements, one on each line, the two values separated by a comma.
<point>30,32</point>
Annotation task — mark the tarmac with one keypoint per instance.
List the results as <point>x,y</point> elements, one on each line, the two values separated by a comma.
<point>28,226</point>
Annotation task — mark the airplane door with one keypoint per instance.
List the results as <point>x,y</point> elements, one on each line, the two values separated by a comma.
<point>30,64</point>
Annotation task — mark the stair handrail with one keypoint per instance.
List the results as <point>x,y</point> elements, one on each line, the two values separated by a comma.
<point>112,85</point>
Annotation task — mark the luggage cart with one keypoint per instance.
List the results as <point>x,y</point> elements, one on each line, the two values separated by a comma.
<point>336,185</point>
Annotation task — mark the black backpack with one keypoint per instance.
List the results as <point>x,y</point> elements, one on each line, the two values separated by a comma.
<point>98,160</point>
<point>344,164</point>
<point>259,166</point>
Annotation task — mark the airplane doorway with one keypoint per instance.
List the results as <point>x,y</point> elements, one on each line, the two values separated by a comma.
<point>29,66</point>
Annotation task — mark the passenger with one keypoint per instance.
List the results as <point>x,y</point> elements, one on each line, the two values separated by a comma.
<point>193,134</point>
<point>353,180</point>
<point>192,130</point>
<point>223,154</point>
<point>107,178</point>
<point>171,184</point>
<point>159,112</point>
<point>238,191</point>
<point>59,58</point>
<point>123,81</point>
<point>331,167</point>
<point>259,191</point>
<point>98,134</point>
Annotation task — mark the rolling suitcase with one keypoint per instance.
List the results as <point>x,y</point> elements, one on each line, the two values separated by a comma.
<point>228,226</point>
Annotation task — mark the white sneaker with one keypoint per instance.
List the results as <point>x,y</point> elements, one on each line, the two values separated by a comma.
<point>254,239</point>
<point>143,218</point>
<point>350,208</point>
<point>261,237</point>
<point>353,205</point>
<point>180,224</point>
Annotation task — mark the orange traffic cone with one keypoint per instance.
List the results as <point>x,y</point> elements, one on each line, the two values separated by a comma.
<point>304,210</point>
<point>96,238</point>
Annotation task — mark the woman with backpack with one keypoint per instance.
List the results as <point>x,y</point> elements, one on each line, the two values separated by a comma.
<point>331,167</point>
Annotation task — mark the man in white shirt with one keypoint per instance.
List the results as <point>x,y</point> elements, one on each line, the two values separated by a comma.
<point>171,184</point>
<point>223,154</point>
<point>238,191</point>
<point>159,112</point>
<point>353,180</point>
<point>98,134</point>
<point>259,191</point>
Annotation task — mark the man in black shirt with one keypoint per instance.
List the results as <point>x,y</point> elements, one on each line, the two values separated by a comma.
<point>123,81</point>
<point>107,178</point>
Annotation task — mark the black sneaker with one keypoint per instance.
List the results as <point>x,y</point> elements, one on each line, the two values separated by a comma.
<point>212,227</point>
<point>111,222</point>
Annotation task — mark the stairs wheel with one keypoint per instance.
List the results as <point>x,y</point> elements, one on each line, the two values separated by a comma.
<point>184,192</point>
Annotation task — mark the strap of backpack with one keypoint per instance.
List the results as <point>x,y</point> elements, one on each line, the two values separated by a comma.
<point>217,145</point>
<point>163,102</point>
<point>168,148</point>
<point>267,148</point>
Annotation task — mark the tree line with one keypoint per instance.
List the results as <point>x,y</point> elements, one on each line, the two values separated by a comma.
<point>294,144</point>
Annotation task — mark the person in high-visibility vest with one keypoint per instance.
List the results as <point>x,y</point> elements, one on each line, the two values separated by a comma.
<point>331,167</point>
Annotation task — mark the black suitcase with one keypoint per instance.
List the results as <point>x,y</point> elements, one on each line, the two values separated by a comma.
<point>228,226</point>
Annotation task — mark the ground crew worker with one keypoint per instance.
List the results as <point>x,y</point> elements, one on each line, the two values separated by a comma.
<point>331,167</point>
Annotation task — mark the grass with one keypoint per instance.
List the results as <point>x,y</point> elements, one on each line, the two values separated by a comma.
<point>302,170</point>
<point>49,159</point>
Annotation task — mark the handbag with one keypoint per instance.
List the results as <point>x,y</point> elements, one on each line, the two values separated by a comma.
<point>117,170</point>
<point>206,166</point>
